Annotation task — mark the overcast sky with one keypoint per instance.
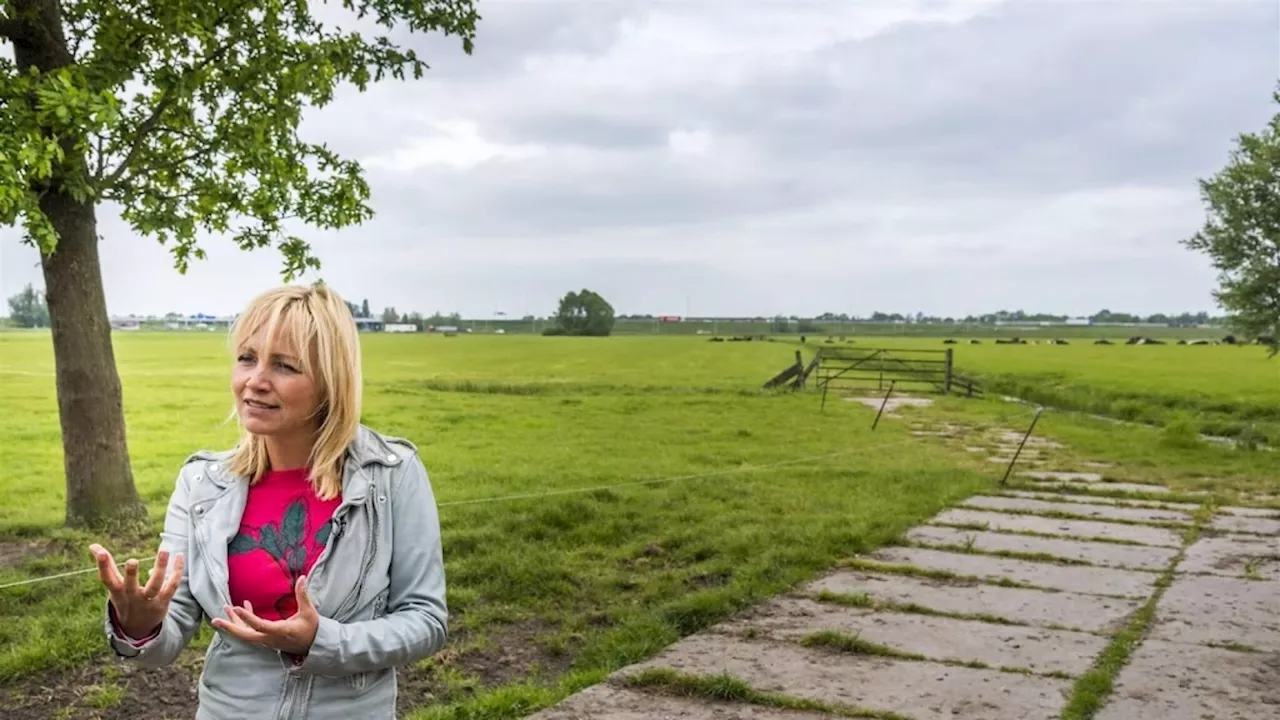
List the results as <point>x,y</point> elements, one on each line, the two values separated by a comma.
<point>773,156</point>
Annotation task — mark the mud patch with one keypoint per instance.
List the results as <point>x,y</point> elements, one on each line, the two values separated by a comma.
<point>106,690</point>
<point>1173,681</point>
<point>921,690</point>
<point>14,553</point>
<point>509,653</point>
<point>1091,613</point>
<point>1095,553</point>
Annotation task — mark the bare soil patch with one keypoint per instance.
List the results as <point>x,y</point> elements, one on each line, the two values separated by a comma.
<point>111,690</point>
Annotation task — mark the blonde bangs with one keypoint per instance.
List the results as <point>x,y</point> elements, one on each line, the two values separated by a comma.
<point>319,326</point>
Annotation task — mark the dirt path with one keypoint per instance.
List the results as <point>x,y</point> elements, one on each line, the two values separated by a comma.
<point>1026,604</point>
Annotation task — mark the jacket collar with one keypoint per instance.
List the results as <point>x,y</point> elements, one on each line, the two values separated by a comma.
<point>368,448</point>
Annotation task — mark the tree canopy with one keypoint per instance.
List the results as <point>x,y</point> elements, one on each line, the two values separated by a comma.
<point>1241,233</point>
<point>583,313</point>
<point>186,113</point>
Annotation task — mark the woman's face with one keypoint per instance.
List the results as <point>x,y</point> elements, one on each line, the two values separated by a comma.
<point>273,396</point>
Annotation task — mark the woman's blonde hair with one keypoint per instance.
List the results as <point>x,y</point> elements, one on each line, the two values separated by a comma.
<point>320,327</point>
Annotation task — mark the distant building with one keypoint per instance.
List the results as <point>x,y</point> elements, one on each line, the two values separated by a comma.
<point>400,327</point>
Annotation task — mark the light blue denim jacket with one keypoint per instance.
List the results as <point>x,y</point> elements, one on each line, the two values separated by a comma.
<point>379,587</point>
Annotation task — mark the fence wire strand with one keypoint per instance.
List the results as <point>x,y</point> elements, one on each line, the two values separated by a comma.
<point>551,493</point>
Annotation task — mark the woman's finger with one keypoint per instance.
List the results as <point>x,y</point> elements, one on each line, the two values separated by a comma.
<point>157,577</point>
<point>131,576</point>
<point>174,580</point>
<point>247,616</point>
<point>107,571</point>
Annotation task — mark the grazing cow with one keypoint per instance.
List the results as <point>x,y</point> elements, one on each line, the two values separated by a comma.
<point>948,341</point>
<point>1103,341</point>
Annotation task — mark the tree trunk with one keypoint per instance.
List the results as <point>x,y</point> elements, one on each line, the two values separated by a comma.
<point>100,488</point>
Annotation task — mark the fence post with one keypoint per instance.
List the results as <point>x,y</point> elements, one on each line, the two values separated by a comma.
<point>946,382</point>
<point>883,403</point>
<point>799,370</point>
<point>1018,452</point>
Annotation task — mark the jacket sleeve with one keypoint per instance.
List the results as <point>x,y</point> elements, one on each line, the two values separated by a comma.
<point>184,615</point>
<point>415,626</point>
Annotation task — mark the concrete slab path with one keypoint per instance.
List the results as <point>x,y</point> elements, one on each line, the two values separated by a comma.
<point>995,610</point>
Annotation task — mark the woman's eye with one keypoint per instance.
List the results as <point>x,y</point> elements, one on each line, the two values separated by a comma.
<point>286,367</point>
<point>245,359</point>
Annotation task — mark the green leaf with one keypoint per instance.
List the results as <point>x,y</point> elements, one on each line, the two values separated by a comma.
<point>322,535</point>
<point>205,141</point>
<point>294,525</point>
<point>241,543</point>
<point>270,541</point>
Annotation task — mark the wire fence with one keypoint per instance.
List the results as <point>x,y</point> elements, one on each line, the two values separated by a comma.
<point>558,492</point>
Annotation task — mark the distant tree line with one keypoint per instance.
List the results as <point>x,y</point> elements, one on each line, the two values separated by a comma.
<point>1185,319</point>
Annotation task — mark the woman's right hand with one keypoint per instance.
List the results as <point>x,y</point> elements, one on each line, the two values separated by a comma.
<point>139,609</point>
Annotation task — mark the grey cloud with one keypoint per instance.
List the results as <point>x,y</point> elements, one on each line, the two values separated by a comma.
<point>512,30</point>
<point>1031,98</point>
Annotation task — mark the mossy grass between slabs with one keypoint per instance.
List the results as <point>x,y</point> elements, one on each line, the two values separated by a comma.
<point>855,645</point>
<point>1092,690</point>
<point>984,527</point>
<point>1075,491</point>
<point>972,549</point>
<point>724,687</point>
<point>871,565</point>
<point>1068,515</point>
<point>864,600</point>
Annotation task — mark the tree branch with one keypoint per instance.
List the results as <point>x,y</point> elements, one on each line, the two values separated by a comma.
<point>147,126</point>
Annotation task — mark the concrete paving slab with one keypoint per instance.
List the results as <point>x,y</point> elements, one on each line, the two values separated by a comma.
<point>1090,613</point>
<point>610,702</point>
<point>1013,437</point>
<point>1257,512</point>
<point>1239,524</point>
<point>1088,477</point>
<point>1098,487</point>
<point>1053,526</point>
<point>1101,500</point>
<point>1084,510</point>
<point>1241,556</point>
<point>921,690</point>
<point>936,638</point>
<point>893,404</point>
<point>1069,578</point>
<point>1140,557</point>
<point>1208,609</point>
<point>1173,681</point>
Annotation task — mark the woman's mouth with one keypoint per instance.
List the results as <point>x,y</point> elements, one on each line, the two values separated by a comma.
<point>256,405</point>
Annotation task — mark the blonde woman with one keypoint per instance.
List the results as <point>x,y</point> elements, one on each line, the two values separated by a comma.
<point>313,546</point>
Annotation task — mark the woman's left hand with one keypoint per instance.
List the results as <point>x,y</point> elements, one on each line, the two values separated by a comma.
<point>293,635</point>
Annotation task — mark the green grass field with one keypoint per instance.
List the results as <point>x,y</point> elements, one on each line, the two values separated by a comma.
<point>751,491</point>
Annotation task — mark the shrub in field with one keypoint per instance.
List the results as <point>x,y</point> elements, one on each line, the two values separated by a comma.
<point>1181,431</point>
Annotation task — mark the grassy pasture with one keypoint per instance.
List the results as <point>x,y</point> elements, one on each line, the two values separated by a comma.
<point>550,593</point>
<point>761,492</point>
